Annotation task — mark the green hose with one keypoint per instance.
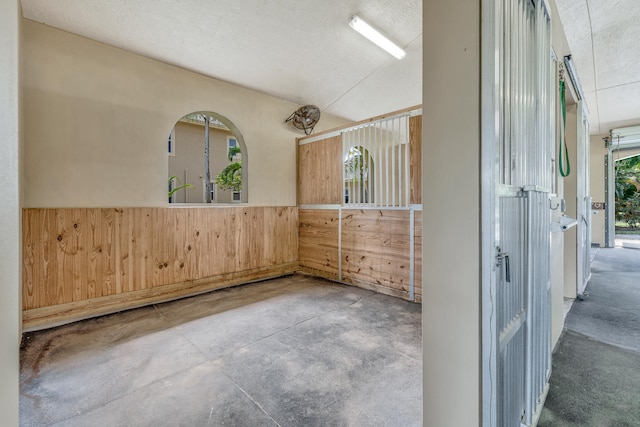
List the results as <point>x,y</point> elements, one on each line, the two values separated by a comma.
<point>563,137</point>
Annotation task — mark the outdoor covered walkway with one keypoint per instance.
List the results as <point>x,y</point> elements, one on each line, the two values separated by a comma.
<point>596,364</point>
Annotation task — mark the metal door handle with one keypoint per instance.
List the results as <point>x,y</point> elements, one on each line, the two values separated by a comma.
<point>507,269</point>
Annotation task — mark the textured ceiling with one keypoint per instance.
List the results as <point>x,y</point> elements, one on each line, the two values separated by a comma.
<point>604,37</point>
<point>299,50</point>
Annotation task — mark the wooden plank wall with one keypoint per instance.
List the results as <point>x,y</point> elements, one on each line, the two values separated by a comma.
<point>376,250</point>
<point>318,236</point>
<point>320,172</point>
<point>417,268</point>
<point>79,262</point>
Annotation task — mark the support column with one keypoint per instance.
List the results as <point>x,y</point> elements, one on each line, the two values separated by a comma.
<point>451,216</point>
<point>10,249</point>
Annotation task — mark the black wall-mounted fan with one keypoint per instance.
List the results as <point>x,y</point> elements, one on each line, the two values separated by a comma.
<point>305,118</point>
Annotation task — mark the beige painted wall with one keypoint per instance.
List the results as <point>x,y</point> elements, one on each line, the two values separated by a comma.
<point>98,118</point>
<point>10,271</point>
<point>451,270</point>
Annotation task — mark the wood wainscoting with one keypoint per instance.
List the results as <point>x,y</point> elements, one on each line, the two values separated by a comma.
<point>83,262</point>
<point>368,248</point>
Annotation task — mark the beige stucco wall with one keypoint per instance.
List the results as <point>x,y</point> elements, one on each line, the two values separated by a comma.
<point>451,267</point>
<point>10,320</point>
<point>98,120</point>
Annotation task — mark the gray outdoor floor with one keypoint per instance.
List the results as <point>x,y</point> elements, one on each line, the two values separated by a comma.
<point>296,351</point>
<point>595,379</point>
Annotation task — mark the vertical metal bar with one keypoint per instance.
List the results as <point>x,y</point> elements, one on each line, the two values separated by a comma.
<point>386,158</point>
<point>357,149</point>
<point>529,322</point>
<point>369,164</point>
<point>340,243</point>
<point>407,160</point>
<point>381,171</point>
<point>392,147</point>
<point>353,197</point>
<point>345,172</point>
<point>346,157</point>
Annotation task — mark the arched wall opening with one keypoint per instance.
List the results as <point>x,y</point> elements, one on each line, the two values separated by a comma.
<point>207,135</point>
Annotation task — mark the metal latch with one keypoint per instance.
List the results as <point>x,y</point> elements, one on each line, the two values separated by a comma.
<point>507,270</point>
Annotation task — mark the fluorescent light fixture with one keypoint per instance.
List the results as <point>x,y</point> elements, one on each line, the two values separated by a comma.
<point>376,36</point>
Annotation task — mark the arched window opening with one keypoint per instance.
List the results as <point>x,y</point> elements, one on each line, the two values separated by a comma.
<point>208,161</point>
<point>358,176</point>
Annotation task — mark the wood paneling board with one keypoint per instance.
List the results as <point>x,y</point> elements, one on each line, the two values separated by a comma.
<point>320,172</point>
<point>375,248</point>
<point>417,264</point>
<point>318,236</point>
<point>415,162</point>
<point>75,255</point>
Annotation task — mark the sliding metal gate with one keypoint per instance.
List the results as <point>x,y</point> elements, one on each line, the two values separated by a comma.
<point>519,298</point>
<point>523,300</point>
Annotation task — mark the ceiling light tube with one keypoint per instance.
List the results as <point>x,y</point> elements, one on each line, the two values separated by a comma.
<point>376,37</point>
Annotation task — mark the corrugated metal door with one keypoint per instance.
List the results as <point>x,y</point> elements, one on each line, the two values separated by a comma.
<point>522,226</point>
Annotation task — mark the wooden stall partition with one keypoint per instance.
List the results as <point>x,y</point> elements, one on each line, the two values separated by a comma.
<point>79,263</point>
<point>376,250</point>
<point>320,166</point>
<point>319,238</point>
<point>415,162</point>
<point>368,246</point>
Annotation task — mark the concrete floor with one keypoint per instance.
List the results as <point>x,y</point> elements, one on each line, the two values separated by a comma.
<point>595,379</point>
<point>295,351</point>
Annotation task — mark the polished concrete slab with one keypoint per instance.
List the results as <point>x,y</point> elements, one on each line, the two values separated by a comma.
<point>295,351</point>
<point>595,379</point>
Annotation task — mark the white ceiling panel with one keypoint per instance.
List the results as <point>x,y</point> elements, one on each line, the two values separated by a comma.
<point>619,106</point>
<point>398,82</point>
<point>301,51</point>
<point>604,37</point>
<point>592,105</point>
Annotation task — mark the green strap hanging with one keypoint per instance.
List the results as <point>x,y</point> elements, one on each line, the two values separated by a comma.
<point>563,137</point>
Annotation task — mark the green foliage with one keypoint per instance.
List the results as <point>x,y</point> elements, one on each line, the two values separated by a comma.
<point>230,178</point>
<point>357,164</point>
<point>177,180</point>
<point>627,188</point>
<point>232,152</point>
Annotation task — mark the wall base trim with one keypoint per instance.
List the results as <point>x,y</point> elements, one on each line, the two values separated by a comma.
<point>56,315</point>
<point>381,289</point>
<point>318,273</point>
